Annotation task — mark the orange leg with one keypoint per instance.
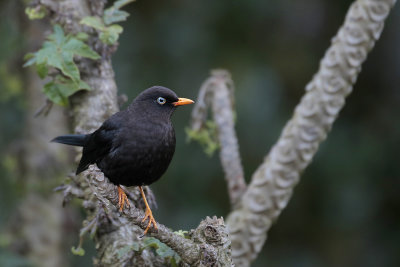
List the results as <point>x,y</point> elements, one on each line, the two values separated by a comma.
<point>122,198</point>
<point>148,214</point>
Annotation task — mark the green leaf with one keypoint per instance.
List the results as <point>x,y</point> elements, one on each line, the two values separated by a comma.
<point>47,53</point>
<point>67,66</point>
<point>94,22</point>
<point>80,48</point>
<point>120,3</point>
<point>78,251</point>
<point>84,86</point>
<point>83,36</point>
<point>42,70</point>
<point>31,59</point>
<point>165,251</point>
<point>111,34</point>
<point>58,35</point>
<point>37,12</point>
<point>68,87</point>
<point>151,242</point>
<point>113,14</point>
<point>58,52</point>
<point>161,249</point>
<point>121,252</point>
<point>52,91</point>
<point>29,56</point>
<point>108,34</point>
<point>61,88</point>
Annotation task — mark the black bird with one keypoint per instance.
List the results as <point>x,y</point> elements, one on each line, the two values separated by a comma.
<point>135,146</point>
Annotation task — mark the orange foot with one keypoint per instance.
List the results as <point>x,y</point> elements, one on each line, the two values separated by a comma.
<point>122,198</point>
<point>148,214</point>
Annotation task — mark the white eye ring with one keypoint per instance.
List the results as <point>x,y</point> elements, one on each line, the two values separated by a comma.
<point>161,100</point>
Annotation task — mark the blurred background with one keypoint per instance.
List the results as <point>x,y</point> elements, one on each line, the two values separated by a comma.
<point>345,210</point>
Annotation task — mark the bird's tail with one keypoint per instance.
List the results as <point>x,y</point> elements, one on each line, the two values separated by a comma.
<point>72,139</point>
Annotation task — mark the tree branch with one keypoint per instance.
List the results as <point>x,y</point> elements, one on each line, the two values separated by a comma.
<point>273,182</point>
<point>217,91</point>
<point>209,244</point>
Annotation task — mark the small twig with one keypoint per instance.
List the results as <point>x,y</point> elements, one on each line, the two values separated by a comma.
<point>69,192</point>
<point>44,109</point>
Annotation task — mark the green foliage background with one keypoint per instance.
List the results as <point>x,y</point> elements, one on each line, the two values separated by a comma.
<point>346,209</point>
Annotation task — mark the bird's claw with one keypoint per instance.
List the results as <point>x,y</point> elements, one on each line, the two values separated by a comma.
<point>122,198</point>
<point>149,215</point>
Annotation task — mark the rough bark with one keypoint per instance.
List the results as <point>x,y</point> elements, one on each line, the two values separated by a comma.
<point>208,245</point>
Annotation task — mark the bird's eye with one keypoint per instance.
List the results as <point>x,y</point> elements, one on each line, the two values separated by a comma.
<point>161,100</point>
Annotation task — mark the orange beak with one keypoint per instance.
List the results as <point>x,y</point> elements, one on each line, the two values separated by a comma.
<point>182,101</point>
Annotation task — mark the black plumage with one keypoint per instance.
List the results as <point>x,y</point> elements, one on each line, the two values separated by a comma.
<point>135,146</point>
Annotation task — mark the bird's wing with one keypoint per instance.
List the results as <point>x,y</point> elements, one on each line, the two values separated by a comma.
<point>100,143</point>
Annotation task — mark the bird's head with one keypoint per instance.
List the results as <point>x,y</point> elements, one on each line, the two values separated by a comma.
<point>158,101</point>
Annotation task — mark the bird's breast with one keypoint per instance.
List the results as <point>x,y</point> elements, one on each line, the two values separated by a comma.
<point>142,157</point>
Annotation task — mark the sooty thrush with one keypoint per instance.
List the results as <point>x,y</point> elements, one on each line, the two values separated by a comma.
<point>134,146</point>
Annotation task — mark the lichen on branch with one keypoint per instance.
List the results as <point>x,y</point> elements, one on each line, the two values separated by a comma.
<point>207,245</point>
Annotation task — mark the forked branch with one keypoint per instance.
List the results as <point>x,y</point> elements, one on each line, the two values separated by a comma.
<point>273,182</point>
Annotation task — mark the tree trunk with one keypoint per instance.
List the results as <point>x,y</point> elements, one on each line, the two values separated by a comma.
<point>38,224</point>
